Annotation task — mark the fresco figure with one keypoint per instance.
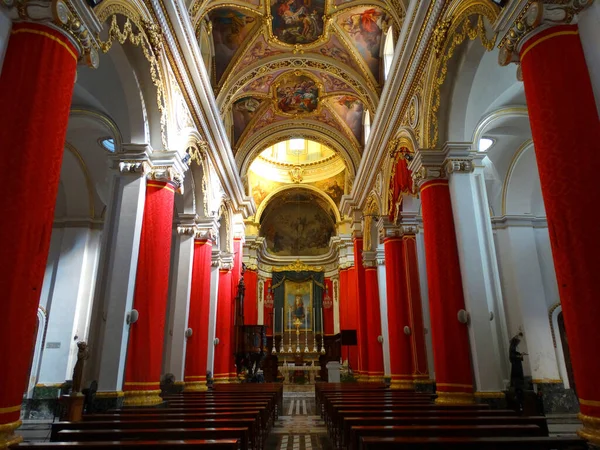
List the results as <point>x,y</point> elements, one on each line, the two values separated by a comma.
<point>297,21</point>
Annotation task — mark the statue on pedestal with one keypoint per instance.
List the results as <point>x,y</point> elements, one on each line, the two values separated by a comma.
<point>82,354</point>
<point>517,376</point>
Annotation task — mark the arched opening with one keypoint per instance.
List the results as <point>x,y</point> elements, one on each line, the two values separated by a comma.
<point>388,52</point>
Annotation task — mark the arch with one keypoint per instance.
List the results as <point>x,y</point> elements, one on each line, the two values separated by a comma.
<point>455,28</point>
<point>226,226</point>
<point>73,181</point>
<point>279,132</point>
<point>553,313</point>
<point>521,192</point>
<point>268,198</point>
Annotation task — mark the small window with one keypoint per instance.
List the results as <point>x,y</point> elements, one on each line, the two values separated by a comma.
<point>107,144</point>
<point>366,125</point>
<point>388,52</point>
<point>485,144</point>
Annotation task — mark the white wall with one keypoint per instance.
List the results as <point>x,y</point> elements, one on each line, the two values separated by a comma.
<point>68,288</point>
<point>589,32</point>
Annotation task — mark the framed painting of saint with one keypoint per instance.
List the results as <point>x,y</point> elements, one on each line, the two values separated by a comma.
<point>298,306</point>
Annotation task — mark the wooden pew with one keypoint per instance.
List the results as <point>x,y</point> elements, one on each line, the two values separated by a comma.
<point>250,423</point>
<point>199,444</point>
<point>359,432</point>
<point>472,443</point>
<point>349,424</point>
<point>187,434</point>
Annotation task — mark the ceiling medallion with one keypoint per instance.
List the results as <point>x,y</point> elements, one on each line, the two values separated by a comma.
<point>297,94</point>
<point>297,22</point>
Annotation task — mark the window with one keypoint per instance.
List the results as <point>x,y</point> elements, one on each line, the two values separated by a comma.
<point>366,125</point>
<point>485,144</point>
<point>388,52</point>
<point>107,144</point>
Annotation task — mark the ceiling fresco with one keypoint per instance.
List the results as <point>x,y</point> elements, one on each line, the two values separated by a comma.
<point>298,61</point>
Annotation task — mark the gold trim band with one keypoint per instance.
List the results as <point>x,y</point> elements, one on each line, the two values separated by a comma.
<point>49,36</point>
<point>10,409</point>
<point>7,435</point>
<point>591,428</point>
<point>142,398</point>
<point>466,386</point>
<point>489,395</point>
<point>545,38</point>
<point>434,184</point>
<point>547,381</point>
<point>109,394</point>
<point>589,402</point>
<point>160,186</point>
<point>131,383</point>
<point>454,398</point>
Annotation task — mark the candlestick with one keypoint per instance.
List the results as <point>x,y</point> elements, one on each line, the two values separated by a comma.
<point>282,333</point>
<point>322,335</point>
<point>315,350</point>
<point>290,350</point>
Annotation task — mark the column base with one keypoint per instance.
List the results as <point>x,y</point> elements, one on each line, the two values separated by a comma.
<point>8,436</point>
<point>195,386</point>
<point>106,400</point>
<point>496,400</point>
<point>454,398</point>
<point>402,385</point>
<point>142,398</point>
<point>591,429</point>
<point>425,385</point>
<point>555,398</point>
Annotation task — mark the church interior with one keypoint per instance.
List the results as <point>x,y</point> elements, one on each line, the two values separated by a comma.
<point>298,224</point>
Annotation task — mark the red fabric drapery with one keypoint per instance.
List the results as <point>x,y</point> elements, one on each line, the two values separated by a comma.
<point>361,305</point>
<point>398,314</point>
<point>564,118</point>
<point>373,313</point>
<point>145,346</point>
<point>196,357</point>
<point>400,182</point>
<point>450,338</point>
<point>36,86</point>
<point>268,312</point>
<point>351,314</point>
<point>224,349</point>
<point>328,313</point>
<point>250,300</point>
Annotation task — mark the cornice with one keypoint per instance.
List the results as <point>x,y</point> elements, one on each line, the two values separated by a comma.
<point>416,34</point>
<point>186,62</point>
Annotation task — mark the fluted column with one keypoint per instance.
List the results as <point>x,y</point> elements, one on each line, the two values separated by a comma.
<point>564,117</point>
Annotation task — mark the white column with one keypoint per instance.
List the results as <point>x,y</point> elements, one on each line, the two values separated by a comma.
<point>180,285</point>
<point>479,268</point>
<point>589,32</point>
<point>385,333</point>
<point>425,298</point>
<point>5,27</point>
<point>212,319</point>
<point>522,269</point>
<point>70,304</point>
<point>117,271</point>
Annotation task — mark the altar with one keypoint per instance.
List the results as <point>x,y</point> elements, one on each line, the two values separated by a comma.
<point>288,371</point>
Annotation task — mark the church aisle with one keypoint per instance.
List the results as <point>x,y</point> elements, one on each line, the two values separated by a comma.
<point>300,428</point>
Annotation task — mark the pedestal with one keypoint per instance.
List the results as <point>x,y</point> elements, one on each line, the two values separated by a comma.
<point>73,407</point>
<point>333,371</point>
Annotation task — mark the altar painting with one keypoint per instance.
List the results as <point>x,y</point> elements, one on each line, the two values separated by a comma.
<point>299,305</point>
<point>297,21</point>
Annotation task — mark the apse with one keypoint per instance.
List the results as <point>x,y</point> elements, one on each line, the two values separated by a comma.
<point>297,222</point>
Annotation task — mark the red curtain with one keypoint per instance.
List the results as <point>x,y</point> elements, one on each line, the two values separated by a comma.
<point>351,313</point>
<point>145,346</point>
<point>449,336</point>
<point>564,121</point>
<point>36,86</point>
<point>374,348</point>
<point>361,305</point>
<point>224,349</point>
<point>198,319</point>
<point>250,300</point>
<point>328,313</point>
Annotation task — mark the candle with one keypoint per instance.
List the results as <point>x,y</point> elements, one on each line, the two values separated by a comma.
<point>282,321</point>
<point>322,331</point>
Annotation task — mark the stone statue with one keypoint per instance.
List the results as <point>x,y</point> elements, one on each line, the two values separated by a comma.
<point>82,355</point>
<point>517,377</point>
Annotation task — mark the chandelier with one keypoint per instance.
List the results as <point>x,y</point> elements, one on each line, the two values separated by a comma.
<point>327,302</point>
<point>269,300</point>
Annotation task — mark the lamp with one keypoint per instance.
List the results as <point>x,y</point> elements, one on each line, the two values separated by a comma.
<point>327,302</point>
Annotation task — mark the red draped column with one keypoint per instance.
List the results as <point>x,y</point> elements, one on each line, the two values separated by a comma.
<point>420,372</point>
<point>144,350</point>
<point>398,314</point>
<point>236,275</point>
<point>361,314</point>
<point>36,86</point>
<point>268,313</point>
<point>196,356</point>
<point>328,312</point>
<point>566,136</point>
<point>352,314</point>
<point>374,350</point>
<point>251,299</point>
<point>224,349</point>
<point>450,338</point>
